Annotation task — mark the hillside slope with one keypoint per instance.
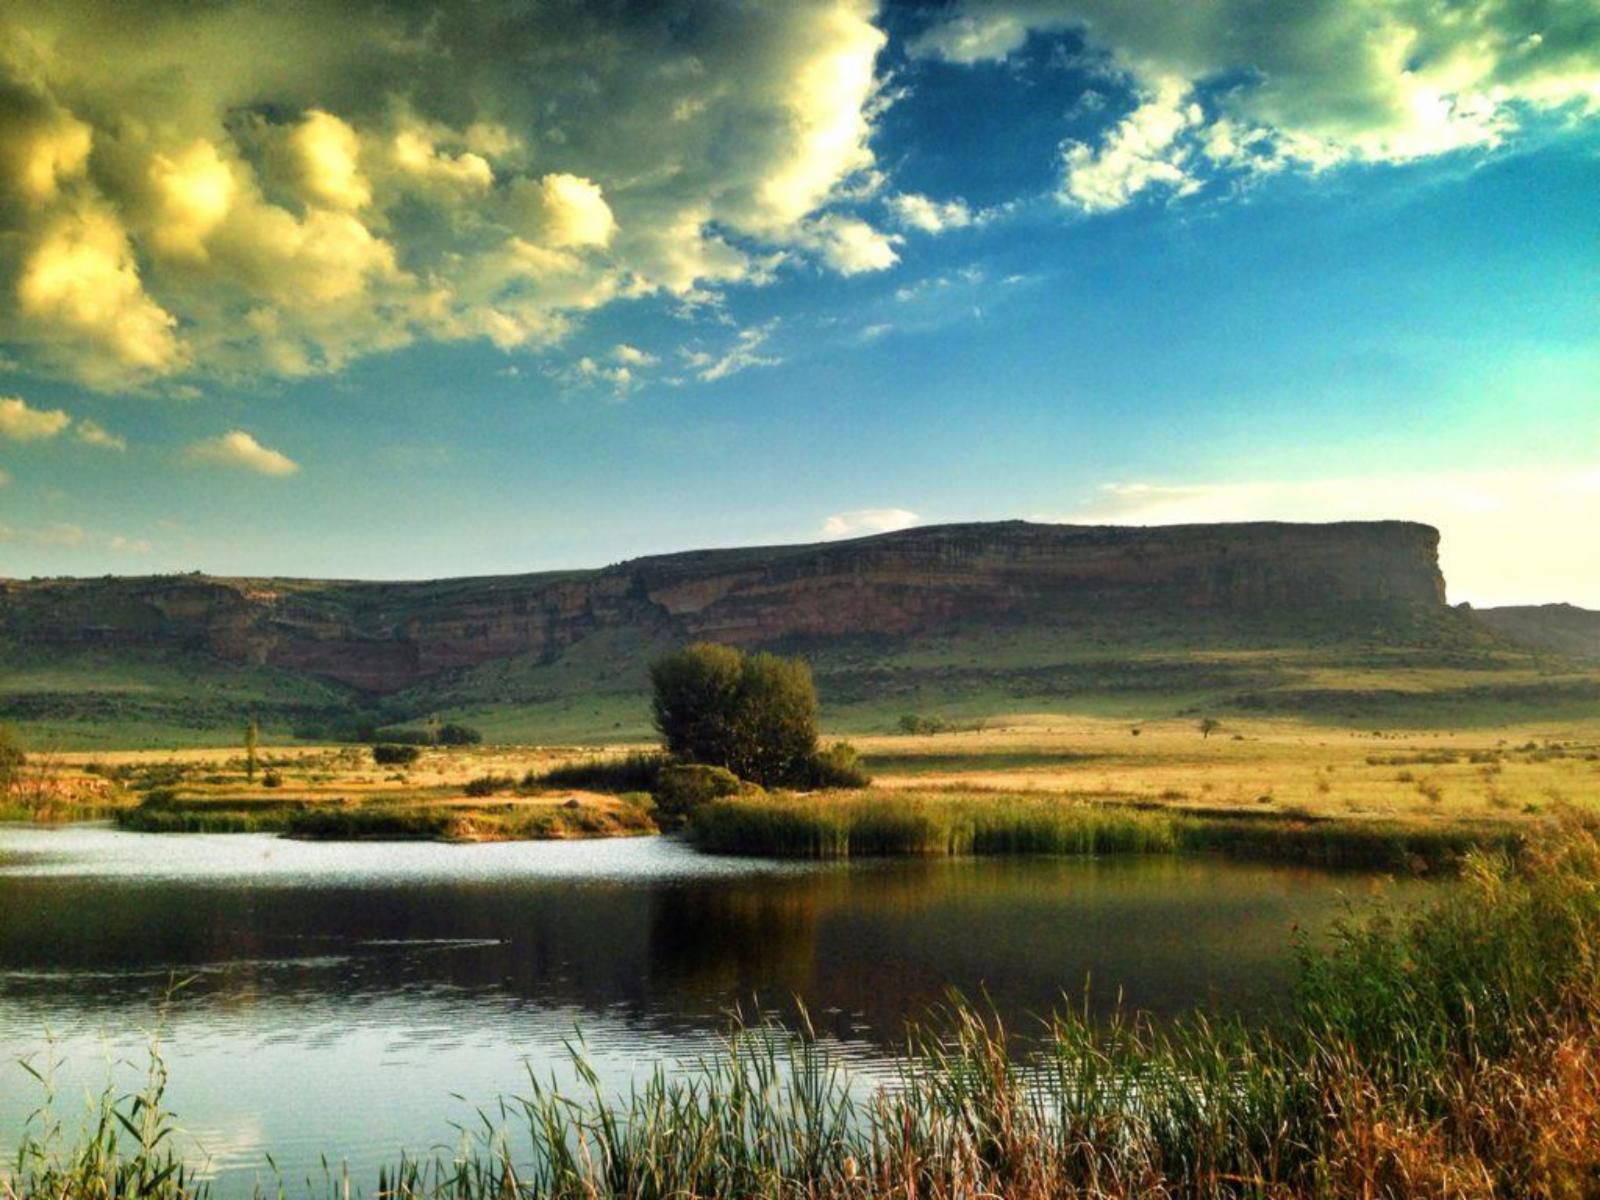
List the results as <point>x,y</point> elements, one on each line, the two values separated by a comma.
<point>1345,620</point>
<point>1562,629</point>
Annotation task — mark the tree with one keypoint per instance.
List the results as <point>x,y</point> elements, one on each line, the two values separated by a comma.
<point>754,714</point>
<point>11,759</point>
<point>1208,726</point>
<point>252,735</point>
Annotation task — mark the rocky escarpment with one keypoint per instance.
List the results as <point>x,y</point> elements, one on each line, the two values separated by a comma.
<point>382,637</point>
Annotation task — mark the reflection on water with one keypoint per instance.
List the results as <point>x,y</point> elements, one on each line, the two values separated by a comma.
<point>339,994</point>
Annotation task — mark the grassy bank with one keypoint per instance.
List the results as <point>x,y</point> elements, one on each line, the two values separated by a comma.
<point>1451,1052</point>
<point>876,823</point>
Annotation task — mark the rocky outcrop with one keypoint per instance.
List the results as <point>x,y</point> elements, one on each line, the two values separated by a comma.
<point>381,637</point>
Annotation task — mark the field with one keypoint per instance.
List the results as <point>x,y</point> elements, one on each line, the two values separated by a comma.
<point>1040,783</point>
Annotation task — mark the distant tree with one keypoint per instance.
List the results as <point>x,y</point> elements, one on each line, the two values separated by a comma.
<point>1208,726</point>
<point>393,754</point>
<point>252,735</point>
<point>11,758</point>
<point>754,714</point>
<point>453,734</point>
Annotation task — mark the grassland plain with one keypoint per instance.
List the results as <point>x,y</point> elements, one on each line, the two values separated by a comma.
<point>1392,669</point>
<point>1452,1052</point>
<point>1043,784</point>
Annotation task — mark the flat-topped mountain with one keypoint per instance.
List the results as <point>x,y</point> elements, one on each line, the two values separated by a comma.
<point>384,637</point>
<point>1342,621</point>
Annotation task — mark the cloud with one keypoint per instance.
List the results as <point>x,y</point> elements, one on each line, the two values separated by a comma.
<point>1507,535</point>
<point>57,535</point>
<point>741,356</point>
<point>20,423</point>
<point>913,211</point>
<point>238,449</point>
<point>92,433</point>
<point>1240,87</point>
<point>1143,150</point>
<point>859,522</point>
<point>125,545</point>
<point>253,191</point>
<point>632,356</point>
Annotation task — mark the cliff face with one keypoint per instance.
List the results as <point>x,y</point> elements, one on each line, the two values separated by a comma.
<point>381,637</point>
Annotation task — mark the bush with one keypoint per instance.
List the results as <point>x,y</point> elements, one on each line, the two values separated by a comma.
<point>488,785</point>
<point>839,766</point>
<point>394,754</point>
<point>914,723</point>
<point>271,779</point>
<point>683,787</point>
<point>753,714</point>
<point>625,773</point>
<point>453,734</point>
<point>11,757</point>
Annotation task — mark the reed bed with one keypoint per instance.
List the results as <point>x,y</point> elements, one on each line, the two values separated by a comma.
<point>867,823</point>
<point>1447,1052</point>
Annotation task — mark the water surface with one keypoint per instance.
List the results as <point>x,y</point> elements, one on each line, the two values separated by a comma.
<point>355,998</point>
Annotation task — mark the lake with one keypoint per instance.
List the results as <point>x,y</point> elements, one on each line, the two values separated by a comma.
<point>351,999</point>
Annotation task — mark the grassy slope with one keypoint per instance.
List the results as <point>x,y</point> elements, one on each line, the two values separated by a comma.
<point>1357,669</point>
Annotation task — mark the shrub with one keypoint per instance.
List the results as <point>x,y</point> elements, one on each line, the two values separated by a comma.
<point>394,754</point>
<point>754,714</point>
<point>683,787</point>
<point>453,734</point>
<point>916,723</point>
<point>271,779</point>
<point>488,785</point>
<point>839,766</point>
<point>625,773</point>
<point>11,757</point>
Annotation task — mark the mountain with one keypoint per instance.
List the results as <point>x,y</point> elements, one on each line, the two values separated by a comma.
<point>971,620</point>
<point>1562,629</point>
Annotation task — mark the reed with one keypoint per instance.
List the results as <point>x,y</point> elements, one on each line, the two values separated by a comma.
<point>869,823</point>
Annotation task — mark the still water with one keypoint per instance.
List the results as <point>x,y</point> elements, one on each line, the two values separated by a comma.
<point>355,999</point>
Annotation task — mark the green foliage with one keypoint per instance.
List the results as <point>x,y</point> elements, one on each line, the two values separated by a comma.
<point>271,779</point>
<point>395,754</point>
<point>618,774</point>
<point>1208,726</point>
<point>11,757</point>
<point>755,714</point>
<point>839,766</point>
<point>452,733</point>
<point>914,723</point>
<point>489,785</point>
<point>681,788</point>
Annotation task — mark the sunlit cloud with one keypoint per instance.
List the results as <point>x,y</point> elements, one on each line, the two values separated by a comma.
<point>92,433</point>
<point>859,522</point>
<point>1236,87</point>
<point>20,423</point>
<point>338,181</point>
<point>238,449</point>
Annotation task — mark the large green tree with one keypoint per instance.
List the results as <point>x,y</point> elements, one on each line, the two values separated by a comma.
<point>755,714</point>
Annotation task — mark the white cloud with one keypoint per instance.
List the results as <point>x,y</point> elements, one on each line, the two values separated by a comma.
<point>57,535</point>
<point>741,356</point>
<point>1143,150</point>
<point>1507,536</point>
<point>858,522</point>
<point>21,423</point>
<point>92,433</point>
<point>125,545</point>
<point>1307,86</point>
<point>338,180</point>
<point>914,211</point>
<point>632,356</point>
<point>238,449</point>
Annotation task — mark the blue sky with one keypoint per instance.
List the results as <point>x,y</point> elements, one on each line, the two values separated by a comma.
<point>395,292</point>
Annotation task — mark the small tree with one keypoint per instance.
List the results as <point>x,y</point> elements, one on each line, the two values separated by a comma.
<point>1208,726</point>
<point>252,735</point>
<point>755,714</point>
<point>11,759</point>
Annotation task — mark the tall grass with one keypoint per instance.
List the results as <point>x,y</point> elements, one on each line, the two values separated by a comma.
<point>635,772</point>
<point>876,823</point>
<point>1452,1052</point>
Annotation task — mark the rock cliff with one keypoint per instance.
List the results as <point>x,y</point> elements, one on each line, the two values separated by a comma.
<point>382,637</point>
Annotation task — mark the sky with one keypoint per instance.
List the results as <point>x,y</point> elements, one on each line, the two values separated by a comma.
<point>404,290</point>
